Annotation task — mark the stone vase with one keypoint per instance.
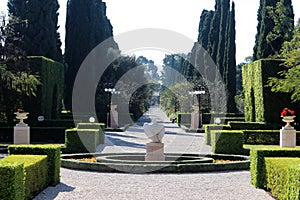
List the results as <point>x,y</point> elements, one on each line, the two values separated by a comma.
<point>21,116</point>
<point>288,119</point>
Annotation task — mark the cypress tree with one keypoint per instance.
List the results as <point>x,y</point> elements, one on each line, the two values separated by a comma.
<point>214,32</point>
<point>223,37</point>
<point>86,27</point>
<point>230,61</point>
<point>40,33</point>
<point>275,25</point>
<point>204,27</point>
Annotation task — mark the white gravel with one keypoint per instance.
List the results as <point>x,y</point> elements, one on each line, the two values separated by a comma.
<point>209,186</point>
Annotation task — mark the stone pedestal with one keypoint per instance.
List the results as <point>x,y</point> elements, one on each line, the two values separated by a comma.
<point>194,120</point>
<point>21,134</point>
<point>155,152</point>
<point>288,137</point>
<point>114,117</point>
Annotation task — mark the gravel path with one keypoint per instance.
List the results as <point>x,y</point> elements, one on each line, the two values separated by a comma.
<point>209,186</point>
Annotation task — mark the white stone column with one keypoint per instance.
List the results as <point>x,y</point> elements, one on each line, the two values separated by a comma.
<point>114,117</point>
<point>195,118</point>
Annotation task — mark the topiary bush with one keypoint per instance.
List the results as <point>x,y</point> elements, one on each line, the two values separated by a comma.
<point>35,172</point>
<point>258,167</point>
<point>98,126</point>
<point>184,119</point>
<point>53,153</point>
<point>209,127</point>
<point>12,180</point>
<point>81,140</point>
<point>293,190</point>
<point>227,142</point>
<point>277,175</point>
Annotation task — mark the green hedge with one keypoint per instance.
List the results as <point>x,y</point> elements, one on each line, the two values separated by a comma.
<point>227,142</point>
<point>184,119</point>
<point>293,191</point>
<point>277,174</point>
<point>258,168</point>
<point>226,120</point>
<point>48,99</point>
<point>35,172</point>
<point>81,140</point>
<point>53,153</point>
<point>12,180</point>
<point>261,104</point>
<point>251,126</point>
<point>266,137</point>
<point>209,127</point>
<point>98,126</point>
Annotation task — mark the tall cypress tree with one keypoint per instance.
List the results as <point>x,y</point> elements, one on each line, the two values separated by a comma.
<point>230,61</point>
<point>275,25</point>
<point>86,27</point>
<point>214,31</point>
<point>204,27</point>
<point>40,34</point>
<point>223,37</point>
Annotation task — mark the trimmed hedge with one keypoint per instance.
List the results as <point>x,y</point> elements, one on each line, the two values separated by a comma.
<point>250,126</point>
<point>12,180</point>
<point>98,126</point>
<point>266,137</point>
<point>209,127</point>
<point>277,174</point>
<point>258,168</point>
<point>183,119</point>
<point>261,104</point>
<point>226,120</point>
<point>81,140</point>
<point>227,142</point>
<point>53,153</point>
<point>293,191</point>
<point>48,99</point>
<point>35,172</point>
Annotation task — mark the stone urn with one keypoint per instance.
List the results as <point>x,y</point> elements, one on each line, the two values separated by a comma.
<point>21,116</point>
<point>288,119</point>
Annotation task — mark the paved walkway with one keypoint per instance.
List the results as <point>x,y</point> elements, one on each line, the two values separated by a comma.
<point>209,186</point>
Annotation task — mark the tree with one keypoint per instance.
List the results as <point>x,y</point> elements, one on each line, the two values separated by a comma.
<point>275,25</point>
<point>289,80</point>
<point>39,34</point>
<point>86,26</point>
<point>16,80</point>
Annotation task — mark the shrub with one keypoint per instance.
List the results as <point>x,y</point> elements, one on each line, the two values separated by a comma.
<point>257,166</point>
<point>97,126</point>
<point>53,158</point>
<point>247,125</point>
<point>183,118</point>
<point>226,120</point>
<point>209,127</point>
<point>12,181</point>
<point>35,172</point>
<point>266,137</point>
<point>277,174</point>
<point>81,140</point>
<point>293,190</point>
<point>227,142</point>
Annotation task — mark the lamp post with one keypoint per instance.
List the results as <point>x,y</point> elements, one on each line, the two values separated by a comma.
<point>111,91</point>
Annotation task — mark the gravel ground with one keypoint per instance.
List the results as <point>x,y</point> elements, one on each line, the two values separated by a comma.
<point>209,186</point>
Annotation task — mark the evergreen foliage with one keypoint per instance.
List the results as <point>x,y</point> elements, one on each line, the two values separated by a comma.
<point>289,79</point>
<point>40,34</point>
<point>86,26</point>
<point>275,25</point>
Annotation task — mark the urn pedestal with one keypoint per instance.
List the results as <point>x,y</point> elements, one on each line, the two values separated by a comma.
<point>21,130</point>
<point>288,133</point>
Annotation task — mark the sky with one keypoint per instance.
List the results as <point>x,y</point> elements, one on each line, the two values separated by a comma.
<point>175,15</point>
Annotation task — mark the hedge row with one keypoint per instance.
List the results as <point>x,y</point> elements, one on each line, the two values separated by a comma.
<point>34,173</point>
<point>258,167</point>
<point>283,182</point>
<point>82,140</point>
<point>208,128</point>
<point>12,180</point>
<point>227,142</point>
<point>54,135</point>
<point>53,153</point>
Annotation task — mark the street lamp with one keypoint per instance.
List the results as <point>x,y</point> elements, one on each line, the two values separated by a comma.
<point>110,91</point>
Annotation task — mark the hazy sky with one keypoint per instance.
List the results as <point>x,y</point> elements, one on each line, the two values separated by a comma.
<point>180,16</point>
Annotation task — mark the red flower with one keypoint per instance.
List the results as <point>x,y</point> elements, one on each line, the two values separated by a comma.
<point>19,110</point>
<point>287,112</point>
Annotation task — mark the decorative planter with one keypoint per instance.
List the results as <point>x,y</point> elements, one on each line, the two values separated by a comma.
<point>21,116</point>
<point>288,119</point>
